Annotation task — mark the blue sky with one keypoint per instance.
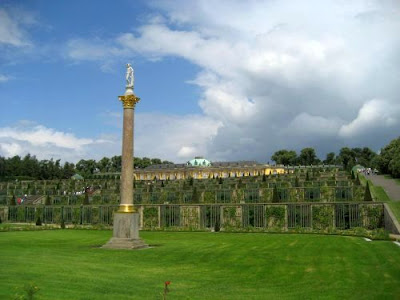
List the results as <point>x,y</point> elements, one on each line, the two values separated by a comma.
<point>232,81</point>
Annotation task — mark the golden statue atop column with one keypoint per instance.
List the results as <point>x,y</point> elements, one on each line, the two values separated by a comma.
<point>126,219</point>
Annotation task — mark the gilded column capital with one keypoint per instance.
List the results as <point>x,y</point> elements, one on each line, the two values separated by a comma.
<point>129,101</point>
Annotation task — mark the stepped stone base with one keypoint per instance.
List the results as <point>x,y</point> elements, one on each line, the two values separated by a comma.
<point>125,232</point>
<point>119,243</point>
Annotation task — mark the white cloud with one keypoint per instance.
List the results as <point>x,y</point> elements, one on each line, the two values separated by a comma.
<point>42,136</point>
<point>96,49</point>
<point>11,149</point>
<point>172,137</point>
<point>28,137</point>
<point>372,115</point>
<point>4,78</point>
<point>12,23</point>
<point>274,74</point>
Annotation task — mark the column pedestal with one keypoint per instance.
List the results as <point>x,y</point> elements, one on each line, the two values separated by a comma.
<point>125,232</point>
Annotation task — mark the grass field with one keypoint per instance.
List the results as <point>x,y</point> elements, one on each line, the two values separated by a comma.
<point>379,193</point>
<point>67,264</point>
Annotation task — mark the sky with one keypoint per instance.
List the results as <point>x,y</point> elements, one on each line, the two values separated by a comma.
<point>227,80</point>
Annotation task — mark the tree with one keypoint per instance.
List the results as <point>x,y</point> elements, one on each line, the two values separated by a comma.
<point>365,157</point>
<point>47,200</point>
<point>68,170</point>
<point>347,158</point>
<point>296,182</point>
<point>394,165</point>
<point>388,161</point>
<point>275,196</point>
<point>284,157</point>
<point>367,194</point>
<point>12,201</point>
<point>156,161</point>
<point>195,196</point>
<point>307,156</point>
<point>86,198</point>
<point>86,167</point>
<point>104,164</point>
<point>330,159</point>
<point>116,162</point>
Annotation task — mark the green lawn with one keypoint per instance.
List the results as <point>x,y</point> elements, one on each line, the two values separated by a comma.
<point>379,193</point>
<point>67,264</point>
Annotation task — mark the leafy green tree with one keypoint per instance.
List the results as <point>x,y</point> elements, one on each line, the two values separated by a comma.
<point>2,167</point>
<point>156,161</point>
<point>68,170</point>
<point>365,157</point>
<point>394,165</point>
<point>195,196</point>
<point>347,158</point>
<point>388,161</point>
<point>307,156</point>
<point>86,166</point>
<point>12,201</point>
<point>284,157</point>
<point>116,163</point>
<point>330,159</point>
<point>86,198</point>
<point>275,196</point>
<point>47,200</point>
<point>296,182</point>
<point>104,164</point>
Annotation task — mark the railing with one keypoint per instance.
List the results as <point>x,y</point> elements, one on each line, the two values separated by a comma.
<point>257,216</point>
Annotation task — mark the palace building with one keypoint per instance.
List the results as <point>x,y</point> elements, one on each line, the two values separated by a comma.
<point>201,168</point>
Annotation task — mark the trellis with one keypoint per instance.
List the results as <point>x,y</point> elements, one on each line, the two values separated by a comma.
<point>211,216</point>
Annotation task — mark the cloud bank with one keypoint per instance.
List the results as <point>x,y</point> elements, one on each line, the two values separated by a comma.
<point>273,75</point>
<point>278,74</point>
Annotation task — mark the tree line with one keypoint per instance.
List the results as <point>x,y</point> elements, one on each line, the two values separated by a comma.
<point>387,161</point>
<point>29,167</point>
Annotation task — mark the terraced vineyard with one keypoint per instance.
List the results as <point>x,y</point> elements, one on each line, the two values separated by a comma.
<point>314,199</point>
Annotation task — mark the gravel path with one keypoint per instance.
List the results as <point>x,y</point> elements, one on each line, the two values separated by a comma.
<point>390,186</point>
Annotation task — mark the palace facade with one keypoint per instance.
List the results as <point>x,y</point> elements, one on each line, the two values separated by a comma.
<point>201,168</point>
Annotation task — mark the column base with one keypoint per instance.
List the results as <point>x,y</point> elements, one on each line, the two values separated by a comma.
<point>125,232</point>
<point>120,243</point>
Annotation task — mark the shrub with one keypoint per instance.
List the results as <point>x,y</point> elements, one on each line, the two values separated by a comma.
<point>12,201</point>
<point>62,225</point>
<point>47,201</point>
<point>38,222</point>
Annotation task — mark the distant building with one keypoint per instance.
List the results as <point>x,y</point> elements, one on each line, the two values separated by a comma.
<point>201,168</point>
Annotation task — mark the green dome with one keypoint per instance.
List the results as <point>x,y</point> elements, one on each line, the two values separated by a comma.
<point>198,162</point>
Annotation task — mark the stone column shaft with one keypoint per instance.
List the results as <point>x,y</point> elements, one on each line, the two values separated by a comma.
<point>129,101</point>
<point>127,158</point>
